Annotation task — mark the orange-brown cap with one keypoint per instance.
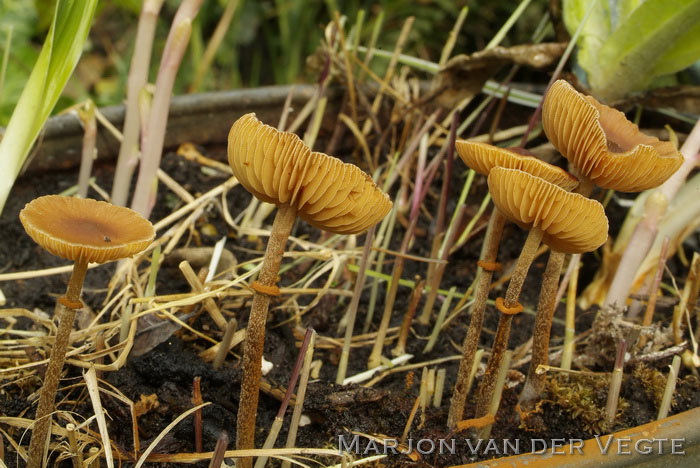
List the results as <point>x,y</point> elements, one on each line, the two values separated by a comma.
<point>571,222</point>
<point>277,167</point>
<point>603,145</point>
<point>81,229</point>
<point>483,157</point>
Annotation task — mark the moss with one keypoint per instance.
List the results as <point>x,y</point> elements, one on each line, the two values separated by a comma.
<point>584,398</point>
<point>653,382</point>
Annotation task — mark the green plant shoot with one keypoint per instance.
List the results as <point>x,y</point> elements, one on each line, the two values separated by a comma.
<point>58,57</point>
<point>626,44</point>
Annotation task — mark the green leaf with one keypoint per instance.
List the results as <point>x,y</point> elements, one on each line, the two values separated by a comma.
<point>595,32</point>
<point>627,60</point>
<point>58,57</point>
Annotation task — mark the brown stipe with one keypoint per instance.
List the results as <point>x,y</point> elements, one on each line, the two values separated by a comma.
<point>277,167</point>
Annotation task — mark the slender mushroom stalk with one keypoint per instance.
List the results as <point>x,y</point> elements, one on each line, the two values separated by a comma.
<point>546,305</point>
<point>567,222</point>
<point>84,231</point>
<point>277,167</point>
<point>265,288</point>
<point>509,307</point>
<point>482,158</point>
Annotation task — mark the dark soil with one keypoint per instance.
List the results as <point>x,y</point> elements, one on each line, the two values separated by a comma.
<point>168,370</point>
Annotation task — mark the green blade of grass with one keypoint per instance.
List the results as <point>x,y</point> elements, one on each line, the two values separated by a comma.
<point>58,57</point>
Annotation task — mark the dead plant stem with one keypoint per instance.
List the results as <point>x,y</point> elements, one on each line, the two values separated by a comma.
<point>138,76</point>
<point>301,394</point>
<point>407,321</point>
<point>376,354</point>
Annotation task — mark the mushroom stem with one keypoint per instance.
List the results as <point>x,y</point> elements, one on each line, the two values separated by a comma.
<point>45,408</point>
<point>255,331</point>
<point>500,342</point>
<point>489,252</point>
<point>534,384</point>
<point>75,284</point>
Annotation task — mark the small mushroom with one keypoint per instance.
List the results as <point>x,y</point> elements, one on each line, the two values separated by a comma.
<point>277,167</point>
<point>483,158</point>
<point>83,231</point>
<point>605,148</point>
<point>567,222</point>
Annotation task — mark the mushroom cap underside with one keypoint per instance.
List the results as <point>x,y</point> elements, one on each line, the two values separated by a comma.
<point>571,223</point>
<point>603,145</point>
<point>277,167</point>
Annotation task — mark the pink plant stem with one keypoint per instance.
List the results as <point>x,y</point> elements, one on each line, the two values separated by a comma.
<point>645,233</point>
<point>178,38</point>
<point>439,226</point>
<point>639,244</point>
<point>138,76</point>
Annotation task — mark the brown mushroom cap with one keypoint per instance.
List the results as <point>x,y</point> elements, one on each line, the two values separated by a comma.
<point>81,229</point>
<point>277,167</point>
<point>482,158</point>
<point>603,145</point>
<point>571,222</point>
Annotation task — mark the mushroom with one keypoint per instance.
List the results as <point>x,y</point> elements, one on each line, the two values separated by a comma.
<point>482,158</point>
<point>566,222</point>
<point>277,167</point>
<point>83,231</point>
<point>604,147</point>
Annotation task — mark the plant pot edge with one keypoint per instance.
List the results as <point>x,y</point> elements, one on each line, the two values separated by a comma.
<point>685,425</point>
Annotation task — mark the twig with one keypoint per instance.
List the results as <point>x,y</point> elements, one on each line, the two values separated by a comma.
<point>351,314</point>
<point>217,458</point>
<point>304,358</point>
<point>615,383</point>
<point>197,401</point>
<point>667,398</point>
<point>301,394</point>
<point>407,321</point>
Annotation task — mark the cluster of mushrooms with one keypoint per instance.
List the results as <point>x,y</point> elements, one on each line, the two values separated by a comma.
<point>603,148</point>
